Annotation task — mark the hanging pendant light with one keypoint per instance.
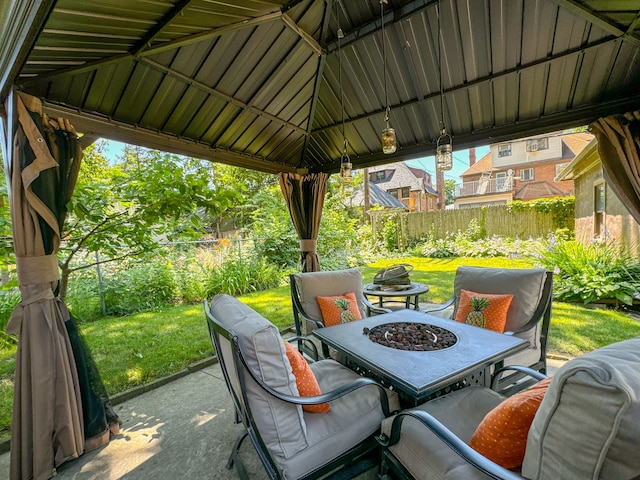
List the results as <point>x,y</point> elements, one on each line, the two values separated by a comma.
<point>389,141</point>
<point>444,144</point>
<point>345,162</point>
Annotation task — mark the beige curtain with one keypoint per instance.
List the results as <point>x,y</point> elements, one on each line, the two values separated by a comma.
<point>304,195</point>
<point>619,149</point>
<point>48,425</point>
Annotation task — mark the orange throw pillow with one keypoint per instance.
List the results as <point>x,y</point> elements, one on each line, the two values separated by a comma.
<point>489,313</point>
<point>305,379</point>
<point>334,312</point>
<point>502,434</point>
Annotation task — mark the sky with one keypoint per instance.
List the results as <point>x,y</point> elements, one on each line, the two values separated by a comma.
<point>460,163</point>
<point>114,150</point>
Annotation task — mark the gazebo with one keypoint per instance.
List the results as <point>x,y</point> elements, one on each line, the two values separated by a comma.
<point>294,88</point>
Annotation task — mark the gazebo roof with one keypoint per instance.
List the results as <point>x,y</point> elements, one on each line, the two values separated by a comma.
<point>257,83</point>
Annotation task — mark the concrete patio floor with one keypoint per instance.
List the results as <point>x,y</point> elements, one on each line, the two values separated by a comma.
<point>182,429</point>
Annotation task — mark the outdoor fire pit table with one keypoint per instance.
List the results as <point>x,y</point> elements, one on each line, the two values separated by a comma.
<point>431,366</point>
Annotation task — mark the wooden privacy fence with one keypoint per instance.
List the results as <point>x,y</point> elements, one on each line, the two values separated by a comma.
<point>494,220</point>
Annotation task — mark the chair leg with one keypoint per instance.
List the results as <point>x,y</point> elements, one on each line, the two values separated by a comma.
<point>234,457</point>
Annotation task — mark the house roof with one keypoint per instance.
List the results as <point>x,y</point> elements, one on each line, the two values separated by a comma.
<point>482,165</point>
<point>257,84</point>
<point>377,197</point>
<point>572,145</point>
<point>585,161</point>
<point>400,175</point>
<point>576,142</point>
<point>540,189</point>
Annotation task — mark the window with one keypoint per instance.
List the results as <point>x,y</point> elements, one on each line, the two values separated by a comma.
<point>501,178</point>
<point>380,175</point>
<point>526,174</point>
<point>504,150</point>
<point>405,192</point>
<point>599,206</point>
<point>393,193</point>
<point>537,144</point>
<point>430,203</point>
<point>560,167</point>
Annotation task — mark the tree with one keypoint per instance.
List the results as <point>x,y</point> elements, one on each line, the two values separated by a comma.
<point>449,191</point>
<point>127,209</point>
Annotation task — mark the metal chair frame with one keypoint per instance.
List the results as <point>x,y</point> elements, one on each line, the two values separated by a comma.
<point>347,465</point>
<point>300,316</point>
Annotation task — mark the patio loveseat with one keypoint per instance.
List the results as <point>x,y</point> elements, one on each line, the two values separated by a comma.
<point>587,426</point>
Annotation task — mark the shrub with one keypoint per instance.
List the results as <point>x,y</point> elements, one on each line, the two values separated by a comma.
<point>238,276</point>
<point>589,273</point>
<point>9,298</point>
<point>139,289</point>
<point>83,296</point>
<point>562,209</point>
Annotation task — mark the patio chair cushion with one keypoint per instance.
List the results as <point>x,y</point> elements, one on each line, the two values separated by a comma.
<point>423,454</point>
<point>332,313</point>
<point>594,399</point>
<point>494,314</point>
<point>502,434</point>
<point>306,381</point>
<point>525,284</point>
<point>281,424</point>
<point>352,419</point>
<point>314,284</point>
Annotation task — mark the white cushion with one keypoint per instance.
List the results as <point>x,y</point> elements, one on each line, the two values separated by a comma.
<point>525,284</point>
<point>323,284</point>
<point>588,425</point>
<point>423,454</point>
<point>281,424</point>
<point>352,419</point>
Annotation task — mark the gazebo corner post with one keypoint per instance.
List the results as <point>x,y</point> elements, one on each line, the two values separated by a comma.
<point>7,129</point>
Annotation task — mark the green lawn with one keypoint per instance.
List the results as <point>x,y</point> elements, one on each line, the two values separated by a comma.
<point>137,349</point>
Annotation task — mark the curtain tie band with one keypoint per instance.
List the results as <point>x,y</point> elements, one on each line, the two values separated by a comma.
<point>34,270</point>
<point>308,245</point>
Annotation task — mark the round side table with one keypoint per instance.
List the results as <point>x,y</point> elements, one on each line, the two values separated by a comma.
<point>391,293</point>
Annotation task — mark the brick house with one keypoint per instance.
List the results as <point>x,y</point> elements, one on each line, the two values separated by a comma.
<point>412,186</point>
<point>599,211</point>
<point>524,170</point>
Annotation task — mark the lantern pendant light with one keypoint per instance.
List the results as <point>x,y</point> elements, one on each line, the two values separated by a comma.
<point>345,162</point>
<point>389,141</point>
<point>444,144</point>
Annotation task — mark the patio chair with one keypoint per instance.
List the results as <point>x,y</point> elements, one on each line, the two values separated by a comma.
<point>528,315</point>
<point>292,442</point>
<point>306,287</point>
<point>585,427</point>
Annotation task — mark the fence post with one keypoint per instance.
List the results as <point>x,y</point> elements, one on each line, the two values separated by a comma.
<point>100,285</point>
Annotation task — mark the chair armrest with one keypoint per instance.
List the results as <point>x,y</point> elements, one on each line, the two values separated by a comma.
<point>495,378</point>
<point>325,397</point>
<point>451,440</point>
<point>445,305</point>
<point>307,342</point>
<point>371,308</point>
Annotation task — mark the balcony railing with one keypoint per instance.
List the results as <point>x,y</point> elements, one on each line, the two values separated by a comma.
<point>484,186</point>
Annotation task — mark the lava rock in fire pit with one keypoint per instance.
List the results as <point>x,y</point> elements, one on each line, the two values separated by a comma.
<point>413,336</point>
